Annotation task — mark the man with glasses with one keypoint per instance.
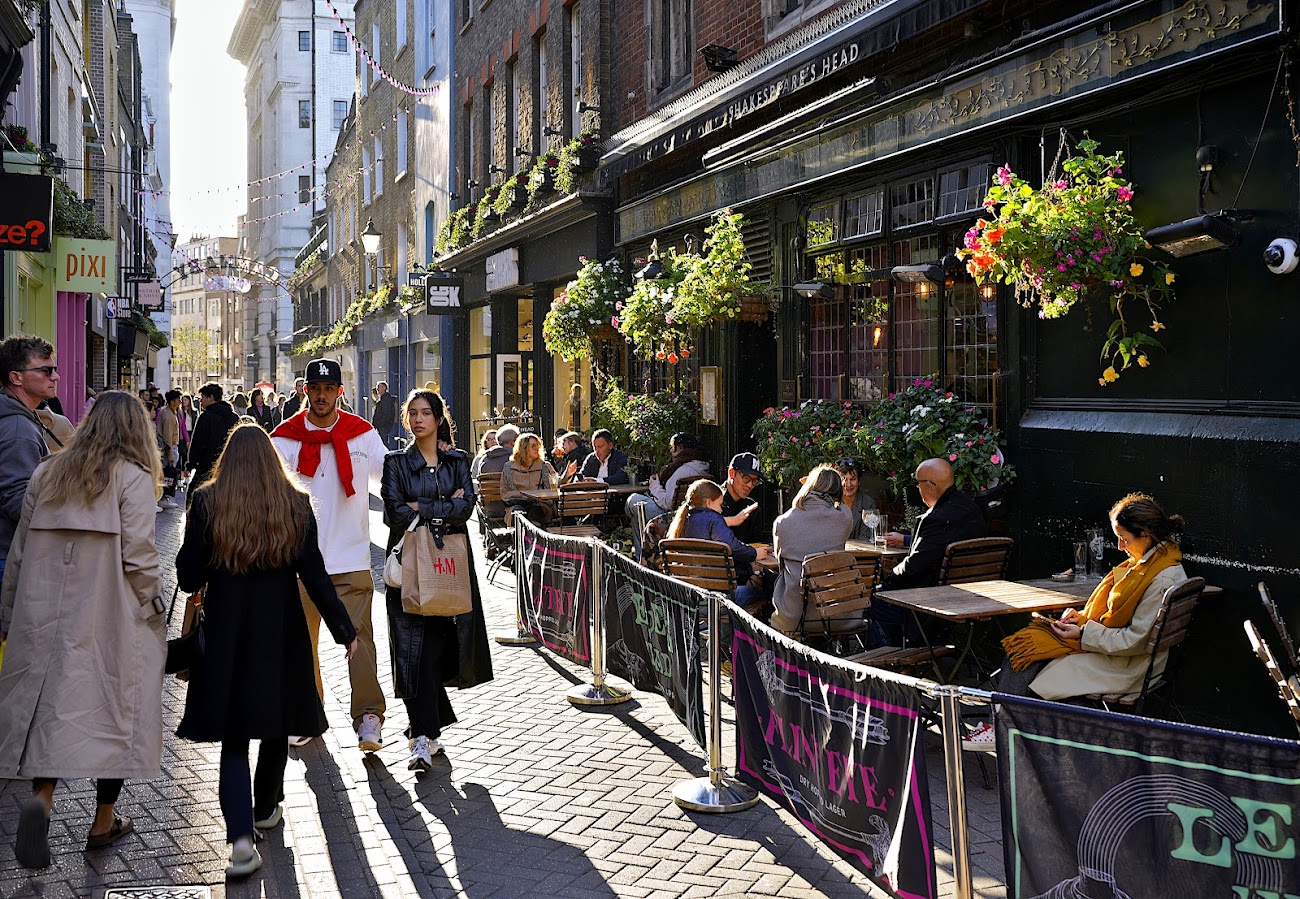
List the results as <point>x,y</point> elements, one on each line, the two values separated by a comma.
<point>28,377</point>
<point>950,516</point>
<point>737,508</point>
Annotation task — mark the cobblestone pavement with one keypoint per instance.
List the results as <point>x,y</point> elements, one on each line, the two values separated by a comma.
<point>533,798</point>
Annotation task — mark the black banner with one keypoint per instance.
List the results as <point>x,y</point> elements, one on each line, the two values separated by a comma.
<point>28,212</point>
<point>1099,804</point>
<point>840,749</point>
<point>554,592</point>
<point>652,636</point>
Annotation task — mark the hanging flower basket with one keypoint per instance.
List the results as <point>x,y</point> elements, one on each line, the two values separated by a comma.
<point>586,310</point>
<point>1069,239</point>
<point>752,309</point>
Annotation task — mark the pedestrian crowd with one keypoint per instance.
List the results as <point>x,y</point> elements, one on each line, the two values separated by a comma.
<point>276,540</point>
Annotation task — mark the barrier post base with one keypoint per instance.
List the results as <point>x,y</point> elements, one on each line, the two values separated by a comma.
<point>520,639</point>
<point>702,795</point>
<point>596,694</point>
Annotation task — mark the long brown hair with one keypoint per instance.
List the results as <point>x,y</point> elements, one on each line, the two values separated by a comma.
<point>521,444</point>
<point>257,512</point>
<point>116,429</point>
<point>701,493</point>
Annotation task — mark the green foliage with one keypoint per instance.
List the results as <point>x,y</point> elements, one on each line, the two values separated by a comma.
<point>792,442</point>
<point>643,424</point>
<point>504,204</point>
<point>567,172</point>
<point>72,217</point>
<point>1070,237</point>
<point>360,309</point>
<point>17,135</point>
<point>649,318</point>
<point>145,325</point>
<point>590,301</point>
<point>542,177</point>
<point>485,218</point>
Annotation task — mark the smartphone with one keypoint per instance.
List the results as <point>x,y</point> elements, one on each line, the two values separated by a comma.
<point>1040,615</point>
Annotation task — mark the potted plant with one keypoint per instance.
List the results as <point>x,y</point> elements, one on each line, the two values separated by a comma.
<point>541,179</point>
<point>791,442</point>
<point>582,154</point>
<point>586,310</point>
<point>512,196</point>
<point>485,219</point>
<point>643,424</point>
<point>1070,238</point>
<point>649,316</point>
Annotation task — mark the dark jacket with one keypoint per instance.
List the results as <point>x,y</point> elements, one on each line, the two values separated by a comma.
<point>702,523</point>
<point>257,662</point>
<point>291,406</point>
<point>749,529</point>
<point>21,449</point>
<point>268,418</point>
<point>408,478</point>
<point>954,517</point>
<point>590,467</point>
<point>385,414</point>
<point>210,432</point>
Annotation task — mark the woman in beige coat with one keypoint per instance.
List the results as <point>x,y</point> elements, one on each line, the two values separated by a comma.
<point>81,686</point>
<point>527,470</point>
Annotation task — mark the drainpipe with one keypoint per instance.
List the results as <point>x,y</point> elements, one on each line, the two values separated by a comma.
<point>44,26</point>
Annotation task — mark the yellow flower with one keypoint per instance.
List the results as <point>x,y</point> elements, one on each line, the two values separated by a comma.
<point>1157,326</point>
<point>1109,375</point>
<point>1143,361</point>
<point>1169,278</point>
<point>1136,270</point>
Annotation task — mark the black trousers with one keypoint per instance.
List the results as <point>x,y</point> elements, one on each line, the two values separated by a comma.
<point>266,788</point>
<point>429,710</point>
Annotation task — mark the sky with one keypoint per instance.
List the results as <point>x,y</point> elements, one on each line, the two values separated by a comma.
<point>209,126</point>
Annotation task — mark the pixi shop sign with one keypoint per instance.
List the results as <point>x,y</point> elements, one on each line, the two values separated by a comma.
<point>85,266</point>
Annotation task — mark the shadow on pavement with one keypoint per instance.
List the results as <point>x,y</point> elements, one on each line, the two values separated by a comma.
<point>343,841</point>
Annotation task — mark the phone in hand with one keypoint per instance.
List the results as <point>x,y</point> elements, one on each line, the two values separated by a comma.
<point>1042,616</point>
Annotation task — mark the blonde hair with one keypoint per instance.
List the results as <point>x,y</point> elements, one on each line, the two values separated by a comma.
<point>701,493</point>
<point>257,513</point>
<point>517,455</point>
<point>824,479</point>
<point>116,429</point>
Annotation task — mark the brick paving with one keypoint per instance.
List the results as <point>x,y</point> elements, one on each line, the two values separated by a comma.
<point>533,798</point>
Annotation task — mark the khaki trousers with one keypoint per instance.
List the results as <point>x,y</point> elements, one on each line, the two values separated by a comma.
<point>356,590</point>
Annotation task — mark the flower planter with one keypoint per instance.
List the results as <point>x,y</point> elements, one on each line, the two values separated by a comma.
<point>753,309</point>
<point>586,159</point>
<point>518,194</point>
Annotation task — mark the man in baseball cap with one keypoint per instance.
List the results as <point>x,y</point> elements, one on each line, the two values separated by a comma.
<point>337,456</point>
<point>743,476</point>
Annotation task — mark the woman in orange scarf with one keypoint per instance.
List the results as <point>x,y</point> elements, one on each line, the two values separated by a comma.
<point>1102,649</point>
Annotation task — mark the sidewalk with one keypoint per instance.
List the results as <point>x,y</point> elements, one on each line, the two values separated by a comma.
<point>533,798</point>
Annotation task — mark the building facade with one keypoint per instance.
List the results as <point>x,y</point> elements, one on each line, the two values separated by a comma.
<point>200,298</point>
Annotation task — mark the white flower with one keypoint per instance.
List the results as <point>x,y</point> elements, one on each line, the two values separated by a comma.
<point>922,411</point>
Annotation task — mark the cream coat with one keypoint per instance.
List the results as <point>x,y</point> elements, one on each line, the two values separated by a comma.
<point>81,685</point>
<point>1115,658</point>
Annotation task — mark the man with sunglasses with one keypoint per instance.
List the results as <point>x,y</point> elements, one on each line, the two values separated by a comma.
<point>28,377</point>
<point>737,508</point>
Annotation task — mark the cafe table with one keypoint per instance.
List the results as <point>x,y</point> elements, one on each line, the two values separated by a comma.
<point>889,554</point>
<point>551,494</point>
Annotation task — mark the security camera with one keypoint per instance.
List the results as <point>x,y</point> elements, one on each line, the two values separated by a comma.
<point>1280,257</point>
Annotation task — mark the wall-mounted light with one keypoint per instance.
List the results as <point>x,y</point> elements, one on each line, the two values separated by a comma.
<point>926,274</point>
<point>370,238</point>
<point>815,290</point>
<point>876,333</point>
<point>521,152</point>
<point>471,184</point>
<point>584,108</point>
<point>1196,235</point>
<point>497,170</point>
<point>553,132</point>
<point>654,269</point>
<point>718,58</point>
<point>987,291</point>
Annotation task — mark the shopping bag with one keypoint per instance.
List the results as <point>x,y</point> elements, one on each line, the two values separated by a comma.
<point>435,578</point>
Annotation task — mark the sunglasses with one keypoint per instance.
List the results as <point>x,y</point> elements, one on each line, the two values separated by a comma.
<point>47,370</point>
<point>847,463</point>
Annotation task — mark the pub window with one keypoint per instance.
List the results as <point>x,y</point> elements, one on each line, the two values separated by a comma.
<point>868,325</point>
<point>916,313</point>
<point>670,57</point>
<point>911,203</point>
<point>864,214</point>
<point>824,224</point>
<point>962,189</point>
<point>826,321</point>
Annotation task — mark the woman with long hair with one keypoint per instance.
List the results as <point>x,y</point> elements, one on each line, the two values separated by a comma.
<point>430,480</point>
<point>249,538</point>
<point>527,470</point>
<point>700,517</point>
<point>819,521</point>
<point>263,413</point>
<point>186,417</point>
<point>855,499</point>
<point>81,686</point>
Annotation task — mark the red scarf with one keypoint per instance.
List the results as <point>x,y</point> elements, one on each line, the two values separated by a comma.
<point>347,427</point>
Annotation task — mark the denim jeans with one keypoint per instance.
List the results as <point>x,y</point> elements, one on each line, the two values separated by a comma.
<point>652,511</point>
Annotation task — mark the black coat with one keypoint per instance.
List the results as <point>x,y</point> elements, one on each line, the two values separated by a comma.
<point>590,467</point>
<point>209,439</point>
<point>291,406</point>
<point>257,679</point>
<point>954,517</point>
<point>385,414</point>
<point>408,478</point>
<point>268,418</point>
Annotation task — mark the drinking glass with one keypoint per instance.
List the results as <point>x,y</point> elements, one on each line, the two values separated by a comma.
<point>1081,561</point>
<point>1096,553</point>
<point>882,528</point>
<point>871,518</point>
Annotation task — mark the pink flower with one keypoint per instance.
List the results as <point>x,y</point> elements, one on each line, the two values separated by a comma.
<point>1061,185</point>
<point>1004,176</point>
<point>952,457</point>
<point>669,319</point>
<point>1062,267</point>
<point>582,260</point>
<point>969,443</point>
<point>618,305</point>
<point>1124,194</point>
<point>613,322</point>
<point>995,459</point>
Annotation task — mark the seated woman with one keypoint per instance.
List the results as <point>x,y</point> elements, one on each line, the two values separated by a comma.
<point>527,470</point>
<point>688,459</point>
<point>1102,649</point>
<point>819,522</point>
<point>700,518</point>
<point>856,500</point>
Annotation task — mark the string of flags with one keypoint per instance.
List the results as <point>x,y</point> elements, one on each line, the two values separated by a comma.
<point>374,63</point>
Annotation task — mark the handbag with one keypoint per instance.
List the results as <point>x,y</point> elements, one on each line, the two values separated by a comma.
<point>185,652</point>
<point>435,572</point>
<point>393,562</point>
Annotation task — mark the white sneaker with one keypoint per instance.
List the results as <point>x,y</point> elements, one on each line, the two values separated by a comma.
<point>423,749</point>
<point>982,739</point>
<point>300,741</point>
<point>166,503</point>
<point>272,819</point>
<point>368,739</point>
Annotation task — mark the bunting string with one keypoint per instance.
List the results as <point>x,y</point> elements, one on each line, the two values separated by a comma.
<point>373,63</point>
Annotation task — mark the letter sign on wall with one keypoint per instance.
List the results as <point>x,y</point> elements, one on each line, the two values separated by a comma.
<point>85,266</point>
<point>27,212</point>
<point>443,295</point>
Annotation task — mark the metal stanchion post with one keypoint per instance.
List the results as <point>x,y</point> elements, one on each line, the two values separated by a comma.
<point>597,692</point>
<point>521,637</point>
<point>950,706</point>
<point>717,792</point>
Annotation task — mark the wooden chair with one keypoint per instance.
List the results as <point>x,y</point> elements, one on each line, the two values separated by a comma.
<point>498,538</point>
<point>1283,634</point>
<point>578,501</point>
<point>706,564</point>
<point>835,598</point>
<point>1169,632</point>
<point>1289,688</point>
<point>679,494</point>
<point>981,559</point>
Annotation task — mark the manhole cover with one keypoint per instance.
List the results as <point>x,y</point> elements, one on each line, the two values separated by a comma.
<point>182,892</point>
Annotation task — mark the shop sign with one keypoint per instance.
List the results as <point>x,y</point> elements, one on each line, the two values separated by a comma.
<point>28,212</point>
<point>444,294</point>
<point>150,296</point>
<point>502,270</point>
<point>85,266</point>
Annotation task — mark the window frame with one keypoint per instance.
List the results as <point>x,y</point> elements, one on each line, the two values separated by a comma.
<point>338,42</point>
<point>305,113</point>
<point>301,36</point>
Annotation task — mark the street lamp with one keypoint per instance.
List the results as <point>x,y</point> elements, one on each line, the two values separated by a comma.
<point>370,238</point>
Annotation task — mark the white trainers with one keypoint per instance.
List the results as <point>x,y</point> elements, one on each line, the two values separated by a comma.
<point>368,739</point>
<point>982,739</point>
<point>166,503</point>
<point>300,741</point>
<point>423,749</point>
<point>272,819</point>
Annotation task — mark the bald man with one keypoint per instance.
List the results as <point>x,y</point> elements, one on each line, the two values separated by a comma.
<point>950,516</point>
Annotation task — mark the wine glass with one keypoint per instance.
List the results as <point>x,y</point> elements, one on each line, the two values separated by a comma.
<point>1097,550</point>
<point>871,518</point>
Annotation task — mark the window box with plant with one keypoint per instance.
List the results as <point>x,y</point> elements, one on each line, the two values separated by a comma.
<point>18,140</point>
<point>586,310</point>
<point>578,156</point>
<point>541,178</point>
<point>360,309</point>
<point>512,196</point>
<point>485,217</point>
<point>1073,238</point>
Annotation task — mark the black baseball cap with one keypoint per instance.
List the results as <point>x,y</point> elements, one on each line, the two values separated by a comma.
<point>746,463</point>
<point>324,371</point>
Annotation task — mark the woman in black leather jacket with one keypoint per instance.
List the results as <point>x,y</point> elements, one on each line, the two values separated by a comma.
<point>431,481</point>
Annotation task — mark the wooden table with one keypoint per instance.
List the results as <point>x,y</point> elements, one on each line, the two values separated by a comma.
<point>888,552</point>
<point>551,494</point>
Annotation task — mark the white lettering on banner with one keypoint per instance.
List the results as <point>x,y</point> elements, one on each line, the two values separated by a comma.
<point>502,270</point>
<point>447,297</point>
